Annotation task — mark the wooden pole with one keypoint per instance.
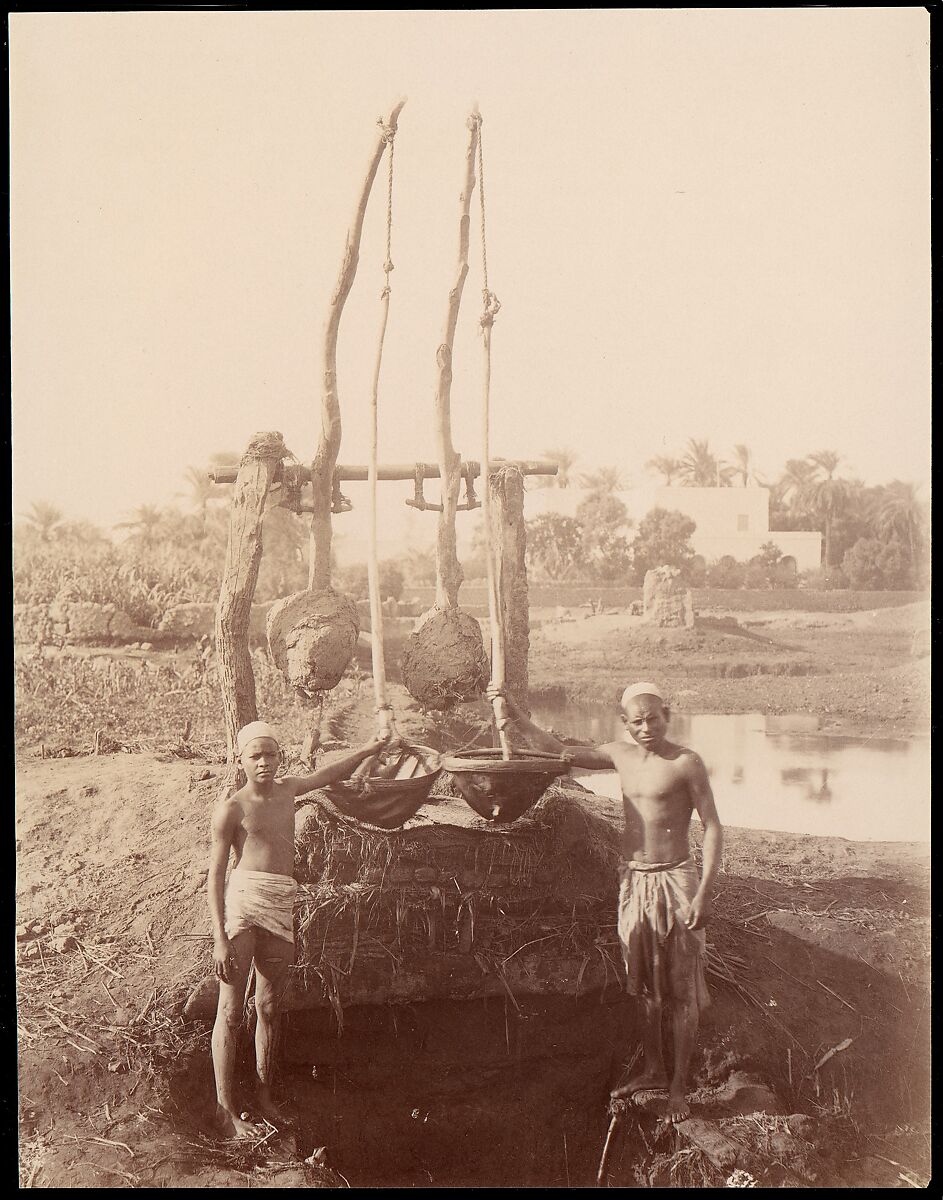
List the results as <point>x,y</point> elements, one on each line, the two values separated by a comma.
<point>501,716</point>
<point>240,575</point>
<point>491,307</point>
<point>449,573</point>
<point>403,471</point>
<point>322,469</point>
<point>384,711</point>
<point>509,543</point>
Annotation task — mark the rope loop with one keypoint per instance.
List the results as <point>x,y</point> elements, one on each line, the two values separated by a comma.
<point>492,308</point>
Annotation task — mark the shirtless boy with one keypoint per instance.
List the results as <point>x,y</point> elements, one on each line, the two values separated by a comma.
<point>254,920</point>
<point>663,906</point>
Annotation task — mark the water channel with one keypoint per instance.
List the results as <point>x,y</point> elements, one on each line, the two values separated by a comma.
<point>780,773</point>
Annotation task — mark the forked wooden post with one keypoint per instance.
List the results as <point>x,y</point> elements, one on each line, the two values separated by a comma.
<point>240,575</point>
<point>322,469</point>
<point>448,568</point>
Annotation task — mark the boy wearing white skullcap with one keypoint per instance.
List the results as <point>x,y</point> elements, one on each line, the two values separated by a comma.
<point>663,903</point>
<point>252,916</point>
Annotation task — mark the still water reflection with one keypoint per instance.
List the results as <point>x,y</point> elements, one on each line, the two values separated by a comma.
<point>778,773</point>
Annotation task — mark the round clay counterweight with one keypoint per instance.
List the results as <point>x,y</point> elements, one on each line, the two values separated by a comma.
<point>312,637</point>
<point>444,660</point>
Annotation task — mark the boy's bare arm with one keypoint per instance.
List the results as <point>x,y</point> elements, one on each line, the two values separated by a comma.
<point>225,818</point>
<point>298,785</point>
<point>702,799</point>
<point>590,757</point>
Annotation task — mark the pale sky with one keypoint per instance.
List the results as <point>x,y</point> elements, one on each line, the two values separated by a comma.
<point>700,223</point>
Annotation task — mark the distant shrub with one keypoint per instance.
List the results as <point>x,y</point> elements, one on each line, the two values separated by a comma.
<point>871,563</point>
<point>663,540</point>
<point>769,569</point>
<point>726,573</point>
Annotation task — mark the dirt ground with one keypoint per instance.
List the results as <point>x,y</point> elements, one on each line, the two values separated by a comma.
<point>823,941</point>
<point>813,1059</point>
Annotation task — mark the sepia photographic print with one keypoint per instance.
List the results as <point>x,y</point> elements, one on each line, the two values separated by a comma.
<point>471,615</point>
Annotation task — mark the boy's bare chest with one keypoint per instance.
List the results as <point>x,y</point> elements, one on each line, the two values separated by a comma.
<point>273,818</point>
<point>652,778</point>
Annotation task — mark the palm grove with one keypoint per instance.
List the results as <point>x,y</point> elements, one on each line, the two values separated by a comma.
<point>874,537</point>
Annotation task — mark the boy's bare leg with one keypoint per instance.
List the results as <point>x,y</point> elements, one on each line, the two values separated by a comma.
<point>229,1021</point>
<point>653,1075</point>
<point>685,1018</point>
<point>273,958</point>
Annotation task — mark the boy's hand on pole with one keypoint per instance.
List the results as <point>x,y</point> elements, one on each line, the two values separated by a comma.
<point>382,740</point>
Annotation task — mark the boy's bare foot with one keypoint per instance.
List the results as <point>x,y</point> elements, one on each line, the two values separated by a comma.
<point>231,1125</point>
<point>270,1110</point>
<point>651,1079</point>
<point>677,1109</point>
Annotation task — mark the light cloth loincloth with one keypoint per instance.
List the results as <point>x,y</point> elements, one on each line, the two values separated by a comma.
<point>654,899</point>
<point>260,900</point>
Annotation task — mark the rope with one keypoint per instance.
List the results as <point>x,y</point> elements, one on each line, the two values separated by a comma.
<point>388,136</point>
<point>491,301</point>
<point>491,306</point>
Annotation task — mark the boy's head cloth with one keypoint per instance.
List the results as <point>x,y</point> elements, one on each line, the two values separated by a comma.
<point>255,729</point>
<point>645,688</point>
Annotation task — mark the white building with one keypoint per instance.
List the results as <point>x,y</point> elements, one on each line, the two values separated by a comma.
<point>730,521</point>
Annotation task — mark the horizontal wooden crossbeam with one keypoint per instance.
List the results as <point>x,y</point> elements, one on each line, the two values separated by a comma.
<point>404,471</point>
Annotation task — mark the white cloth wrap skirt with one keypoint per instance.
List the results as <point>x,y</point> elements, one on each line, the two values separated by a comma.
<point>260,900</point>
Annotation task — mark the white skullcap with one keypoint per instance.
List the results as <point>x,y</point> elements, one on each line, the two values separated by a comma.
<point>645,688</point>
<point>255,729</point>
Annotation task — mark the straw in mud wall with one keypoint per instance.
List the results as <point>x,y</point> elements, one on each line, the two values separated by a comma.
<point>382,907</point>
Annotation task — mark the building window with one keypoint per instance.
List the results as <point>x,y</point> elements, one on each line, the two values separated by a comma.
<point>743,522</point>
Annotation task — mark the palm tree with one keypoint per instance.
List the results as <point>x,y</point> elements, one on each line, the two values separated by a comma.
<point>699,466</point>
<point>793,484</point>
<point>669,467</point>
<point>742,465</point>
<point>45,518</point>
<point>203,490</point>
<point>605,481</point>
<point>145,522</point>
<point>565,460</point>
<point>827,460</point>
<point>827,499</point>
<point>899,512</point>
